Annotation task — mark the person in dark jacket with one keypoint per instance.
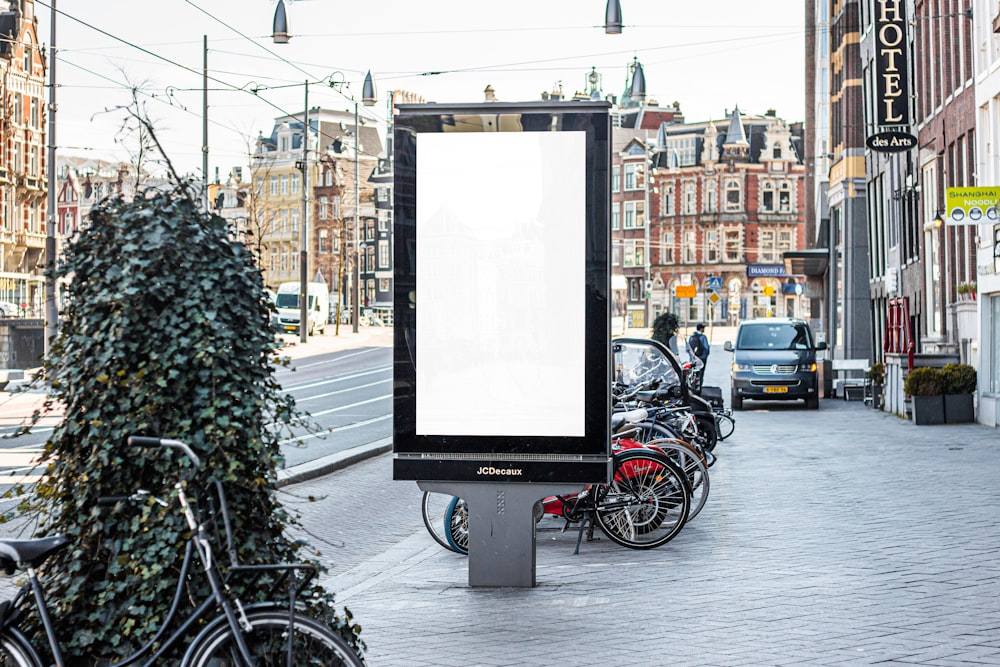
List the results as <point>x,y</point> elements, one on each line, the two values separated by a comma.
<point>700,347</point>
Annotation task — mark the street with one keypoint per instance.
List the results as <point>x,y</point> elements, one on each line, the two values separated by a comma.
<point>841,536</point>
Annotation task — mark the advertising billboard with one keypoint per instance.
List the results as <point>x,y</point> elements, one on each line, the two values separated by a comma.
<point>502,292</point>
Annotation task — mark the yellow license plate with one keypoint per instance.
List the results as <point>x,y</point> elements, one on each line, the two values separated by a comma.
<point>289,327</point>
<point>775,390</point>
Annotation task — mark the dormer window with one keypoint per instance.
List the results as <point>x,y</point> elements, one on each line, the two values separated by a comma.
<point>283,144</point>
<point>27,54</point>
<point>776,151</point>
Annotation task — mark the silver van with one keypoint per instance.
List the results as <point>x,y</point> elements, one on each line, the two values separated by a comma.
<point>774,359</point>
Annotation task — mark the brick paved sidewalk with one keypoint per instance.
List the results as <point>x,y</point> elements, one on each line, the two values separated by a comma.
<point>839,537</point>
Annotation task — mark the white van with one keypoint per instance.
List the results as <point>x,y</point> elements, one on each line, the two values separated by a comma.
<point>289,311</point>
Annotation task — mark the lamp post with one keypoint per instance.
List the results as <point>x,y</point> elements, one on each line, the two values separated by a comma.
<point>51,304</point>
<point>304,233</point>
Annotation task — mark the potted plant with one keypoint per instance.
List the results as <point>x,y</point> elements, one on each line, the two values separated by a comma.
<point>924,385</point>
<point>876,380</point>
<point>966,291</point>
<point>958,384</point>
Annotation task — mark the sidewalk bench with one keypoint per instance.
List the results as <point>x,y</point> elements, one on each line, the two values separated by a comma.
<point>849,388</point>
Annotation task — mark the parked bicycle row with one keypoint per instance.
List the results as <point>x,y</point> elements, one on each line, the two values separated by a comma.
<point>664,429</point>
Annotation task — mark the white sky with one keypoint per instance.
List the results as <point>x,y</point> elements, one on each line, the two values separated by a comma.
<point>708,55</point>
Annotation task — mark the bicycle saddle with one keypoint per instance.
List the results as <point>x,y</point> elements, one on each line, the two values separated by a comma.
<point>31,552</point>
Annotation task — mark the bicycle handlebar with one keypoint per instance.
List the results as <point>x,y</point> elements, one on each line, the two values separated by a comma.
<point>147,441</point>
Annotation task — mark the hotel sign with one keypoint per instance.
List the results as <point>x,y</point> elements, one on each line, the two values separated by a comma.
<point>891,81</point>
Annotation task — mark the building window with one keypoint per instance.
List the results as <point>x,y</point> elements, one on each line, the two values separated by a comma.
<point>616,177</point>
<point>733,196</point>
<point>283,221</point>
<point>616,252</point>
<point>283,144</point>
<point>35,104</point>
<point>324,207</point>
<point>712,200</point>
<point>731,249</point>
<point>295,184</point>
<point>667,201</point>
<point>767,248</point>
<point>690,199</point>
<point>295,221</point>
<point>668,248</point>
<point>329,177</point>
<point>635,253</point>
<point>634,179</point>
<point>383,255</point>
<point>615,216</point>
<point>767,197</point>
<point>776,152</point>
<point>27,58</point>
<point>690,247</point>
<point>284,184</point>
<point>336,208</point>
<point>785,198</point>
<point>634,215</point>
<point>274,185</point>
<point>384,285</point>
<point>711,246</point>
<point>33,165</point>
<point>324,236</point>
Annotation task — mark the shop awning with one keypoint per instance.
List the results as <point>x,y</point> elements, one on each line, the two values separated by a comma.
<point>806,262</point>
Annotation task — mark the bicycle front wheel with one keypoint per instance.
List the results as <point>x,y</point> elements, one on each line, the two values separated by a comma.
<point>725,425</point>
<point>15,651</point>
<point>647,502</point>
<point>312,643</point>
<point>436,509</point>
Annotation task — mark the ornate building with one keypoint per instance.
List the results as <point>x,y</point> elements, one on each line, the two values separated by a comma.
<point>23,191</point>
<point>726,204</point>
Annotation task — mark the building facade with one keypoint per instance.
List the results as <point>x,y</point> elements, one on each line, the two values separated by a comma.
<point>23,168</point>
<point>726,205</point>
<point>276,215</point>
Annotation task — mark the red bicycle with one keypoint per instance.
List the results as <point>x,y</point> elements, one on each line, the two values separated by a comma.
<point>645,505</point>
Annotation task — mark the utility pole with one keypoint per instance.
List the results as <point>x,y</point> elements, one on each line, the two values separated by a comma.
<point>51,303</point>
<point>304,253</point>
<point>204,120</point>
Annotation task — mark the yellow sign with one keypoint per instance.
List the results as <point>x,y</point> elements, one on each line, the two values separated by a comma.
<point>971,206</point>
<point>714,297</point>
<point>686,291</point>
<point>768,290</point>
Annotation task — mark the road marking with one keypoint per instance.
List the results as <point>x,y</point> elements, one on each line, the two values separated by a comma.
<point>336,429</point>
<point>342,391</point>
<point>351,405</point>
<point>340,378</point>
<point>346,356</point>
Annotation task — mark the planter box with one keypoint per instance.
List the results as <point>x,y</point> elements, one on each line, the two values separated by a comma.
<point>928,410</point>
<point>958,409</point>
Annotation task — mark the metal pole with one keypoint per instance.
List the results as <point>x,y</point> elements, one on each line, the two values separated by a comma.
<point>355,310</point>
<point>304,254</point>
<point>51,304</point>
<point>204,121</point>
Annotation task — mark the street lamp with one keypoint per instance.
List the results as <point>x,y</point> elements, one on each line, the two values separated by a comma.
<point>613,18</point>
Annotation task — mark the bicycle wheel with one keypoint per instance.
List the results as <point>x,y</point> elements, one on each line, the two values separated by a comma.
<point>313,644</point>
<point>435,508</point>
<point>708,435</point>
<point>725,425</point>
<point>15,651</point>
<point>646,431</point>
<point>647,502</point>
<point>695,468</point>
<point>457,525</point>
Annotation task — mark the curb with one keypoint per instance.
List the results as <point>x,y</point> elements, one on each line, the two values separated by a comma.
<point>332,463</point>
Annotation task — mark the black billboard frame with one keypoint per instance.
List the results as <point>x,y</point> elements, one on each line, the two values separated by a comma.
<point>504,458</point>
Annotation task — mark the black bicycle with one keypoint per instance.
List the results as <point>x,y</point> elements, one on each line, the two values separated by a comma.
<point>232,635</point>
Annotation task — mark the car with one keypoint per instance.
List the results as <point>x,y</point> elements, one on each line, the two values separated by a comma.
<point>8,309</point>
<point>774,359</point>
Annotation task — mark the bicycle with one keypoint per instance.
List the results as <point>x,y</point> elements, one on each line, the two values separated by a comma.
<point>233,634</point>
<point>645,505</point>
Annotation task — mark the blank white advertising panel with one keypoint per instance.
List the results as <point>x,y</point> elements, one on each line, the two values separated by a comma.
<point>500,289</point>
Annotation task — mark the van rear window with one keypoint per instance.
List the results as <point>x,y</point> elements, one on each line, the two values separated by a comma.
<point>774,337</point>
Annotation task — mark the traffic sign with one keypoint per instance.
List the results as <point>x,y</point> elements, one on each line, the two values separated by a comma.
<point>715,282</point>
<point>714,297</point>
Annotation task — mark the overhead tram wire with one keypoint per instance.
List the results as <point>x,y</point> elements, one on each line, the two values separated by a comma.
<point>231,86</point>
<point>124,86</point>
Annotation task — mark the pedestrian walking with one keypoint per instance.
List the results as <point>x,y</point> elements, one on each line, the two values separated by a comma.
<point>699,346</point>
